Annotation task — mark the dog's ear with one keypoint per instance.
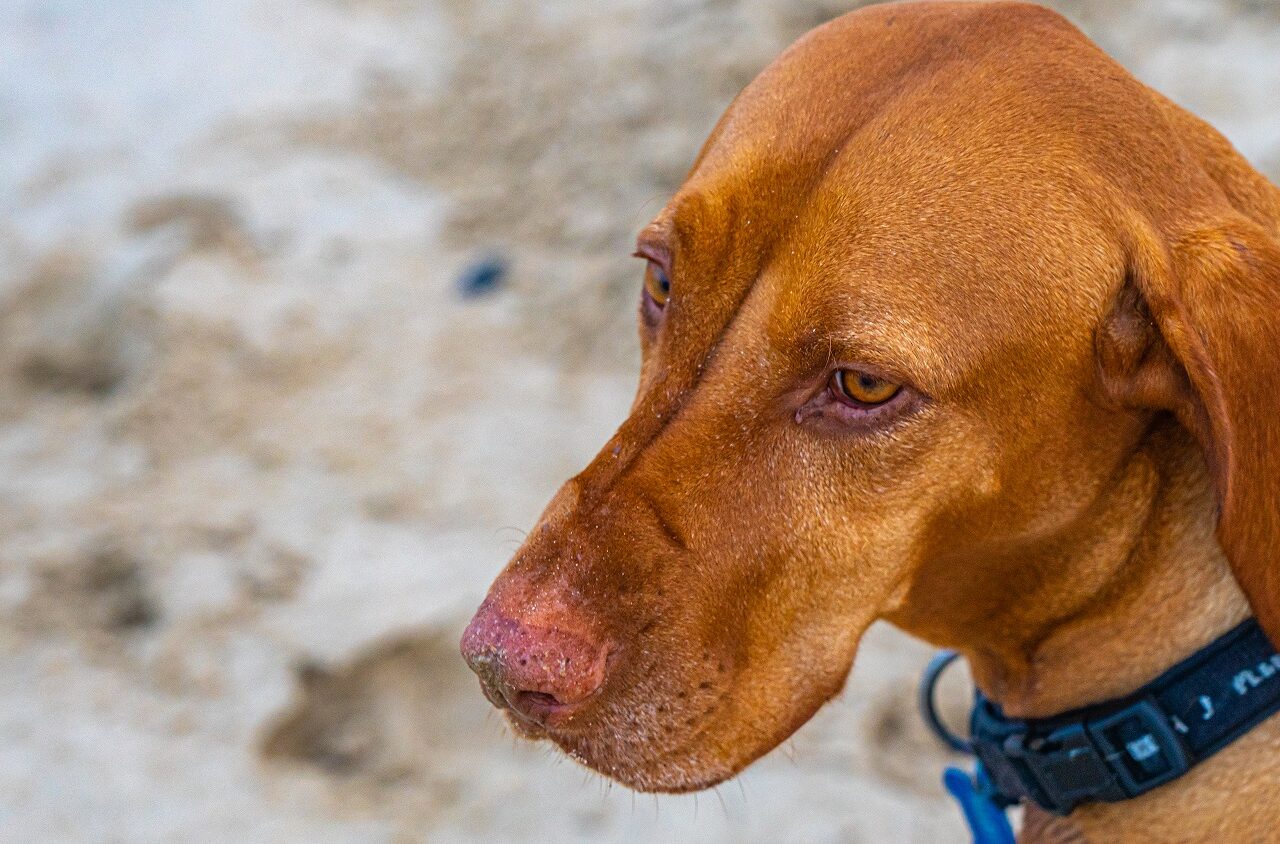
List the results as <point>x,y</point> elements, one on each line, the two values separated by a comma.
<point>1196,331</point>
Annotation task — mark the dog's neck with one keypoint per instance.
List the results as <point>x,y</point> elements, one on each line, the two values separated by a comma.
<point>1140,584</point>
<point>1149,589</point>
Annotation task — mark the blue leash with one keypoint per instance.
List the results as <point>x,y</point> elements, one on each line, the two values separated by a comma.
<point>973,792</point>
<point>987,821</point>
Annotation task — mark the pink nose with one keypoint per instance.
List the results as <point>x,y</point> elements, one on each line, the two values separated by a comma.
<point>538,672</point>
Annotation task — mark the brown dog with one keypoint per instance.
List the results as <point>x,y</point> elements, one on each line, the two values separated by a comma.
<point>956,324</point>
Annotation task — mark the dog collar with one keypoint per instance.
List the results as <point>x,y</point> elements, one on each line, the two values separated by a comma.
<point>1125,747</point>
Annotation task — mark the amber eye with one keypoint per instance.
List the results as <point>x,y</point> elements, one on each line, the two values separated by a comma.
<point>862,388</point>
<point>657,283</point>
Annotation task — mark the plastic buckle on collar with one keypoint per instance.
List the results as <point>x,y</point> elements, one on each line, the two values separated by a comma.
<point>1066,766</point>
<point>1141,746</point>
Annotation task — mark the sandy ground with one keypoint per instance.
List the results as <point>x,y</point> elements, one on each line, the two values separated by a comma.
<point>259,459</point>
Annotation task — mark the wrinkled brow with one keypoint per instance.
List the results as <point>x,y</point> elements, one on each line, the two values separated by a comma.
<point>657,240</point>
<point>830,324</point>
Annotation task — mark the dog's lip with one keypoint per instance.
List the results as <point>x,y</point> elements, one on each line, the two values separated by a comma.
<point>543,711</point>
<point>535,714</point>
<point>526,729</point>
<point>547,722</point>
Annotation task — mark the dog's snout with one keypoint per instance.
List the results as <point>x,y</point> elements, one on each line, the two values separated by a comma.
<point>537,668</point>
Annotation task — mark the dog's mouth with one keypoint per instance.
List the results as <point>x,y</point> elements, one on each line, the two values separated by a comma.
<point>654,705</point>
<point>538,714</point>
<point>526,729</point>
<point>535,715</point>
<point>647,762</point>
<point>540,702</point>
<point>641,738</point>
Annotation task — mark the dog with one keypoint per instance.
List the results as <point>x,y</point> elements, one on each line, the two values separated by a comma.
<point>952,323</point>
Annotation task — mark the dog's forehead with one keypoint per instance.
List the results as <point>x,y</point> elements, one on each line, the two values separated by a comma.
<point>946,252</point>
<point>840,78</point>
<point>890,173</point>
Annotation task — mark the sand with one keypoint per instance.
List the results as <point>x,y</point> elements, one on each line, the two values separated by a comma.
<point>259,459</point>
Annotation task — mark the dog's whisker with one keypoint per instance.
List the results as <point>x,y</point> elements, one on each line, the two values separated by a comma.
<point>723,806</point>
<point>788,749</point>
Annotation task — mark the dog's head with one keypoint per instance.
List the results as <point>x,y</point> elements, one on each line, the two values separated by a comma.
<point>934,279</point>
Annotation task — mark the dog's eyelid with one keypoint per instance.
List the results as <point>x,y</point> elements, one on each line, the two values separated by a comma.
<point>877,366</point>
<point>658,253</point>
<point>875,352</point>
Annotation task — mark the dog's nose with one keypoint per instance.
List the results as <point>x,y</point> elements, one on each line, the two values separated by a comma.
<point>537,670</point>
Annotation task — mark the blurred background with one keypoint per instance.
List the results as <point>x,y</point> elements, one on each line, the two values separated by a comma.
<point>306,307</point>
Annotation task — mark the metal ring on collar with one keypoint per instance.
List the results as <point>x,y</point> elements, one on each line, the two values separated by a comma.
<point>928,683</point>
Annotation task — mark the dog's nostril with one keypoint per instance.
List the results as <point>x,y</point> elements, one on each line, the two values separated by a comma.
<point>536,700</point>
<point>536,671</point>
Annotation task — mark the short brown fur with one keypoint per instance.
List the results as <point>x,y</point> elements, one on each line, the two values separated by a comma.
<point>1081,282</point>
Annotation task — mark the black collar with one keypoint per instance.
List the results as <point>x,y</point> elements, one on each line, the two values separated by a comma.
<point>1126,747</point>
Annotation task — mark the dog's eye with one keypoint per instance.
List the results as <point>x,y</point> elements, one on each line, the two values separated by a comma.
<point>862,389</point>
<point>657,284</point>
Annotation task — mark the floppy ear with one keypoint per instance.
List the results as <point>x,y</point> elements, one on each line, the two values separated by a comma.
<point>1196,331</point>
